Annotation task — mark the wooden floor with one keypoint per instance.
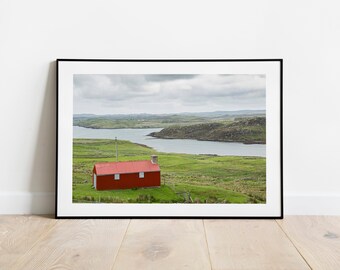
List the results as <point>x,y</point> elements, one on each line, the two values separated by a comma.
<point>297,242</point>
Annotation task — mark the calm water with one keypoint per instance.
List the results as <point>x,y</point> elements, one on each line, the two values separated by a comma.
<point>172,145</point>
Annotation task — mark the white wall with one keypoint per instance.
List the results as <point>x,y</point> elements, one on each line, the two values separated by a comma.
<point>305,33</point>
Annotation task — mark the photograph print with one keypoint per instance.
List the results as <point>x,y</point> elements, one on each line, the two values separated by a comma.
<point>163,139</point>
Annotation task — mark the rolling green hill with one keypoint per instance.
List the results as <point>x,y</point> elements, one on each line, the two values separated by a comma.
<point>245,130</point>
<point>144,120</point>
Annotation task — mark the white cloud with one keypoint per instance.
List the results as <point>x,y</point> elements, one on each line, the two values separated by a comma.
<point>110,94</point>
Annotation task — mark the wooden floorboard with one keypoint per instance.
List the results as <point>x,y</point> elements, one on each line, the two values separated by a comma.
<point>317,238</point>
<point>164,244</point>
<point>297,242</point>
<point>18,234</point>
<point>76,244</point>
<point>250,244</point>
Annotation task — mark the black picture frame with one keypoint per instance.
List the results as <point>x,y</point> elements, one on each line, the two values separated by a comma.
<point>59,215</point>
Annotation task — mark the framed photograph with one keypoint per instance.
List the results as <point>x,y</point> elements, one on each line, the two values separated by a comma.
<point>169,138</point>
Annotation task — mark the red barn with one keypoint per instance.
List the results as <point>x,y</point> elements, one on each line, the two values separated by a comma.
<point>128,174</point>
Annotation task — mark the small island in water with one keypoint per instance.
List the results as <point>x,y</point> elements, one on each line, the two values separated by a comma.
<point>245,130</point>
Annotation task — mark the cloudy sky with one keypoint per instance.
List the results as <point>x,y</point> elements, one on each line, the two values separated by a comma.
<point>165,93</point>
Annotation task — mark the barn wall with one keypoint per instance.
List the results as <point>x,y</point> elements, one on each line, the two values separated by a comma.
<point>130,180</point>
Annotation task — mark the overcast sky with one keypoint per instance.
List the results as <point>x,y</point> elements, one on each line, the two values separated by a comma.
<point>127,94</point>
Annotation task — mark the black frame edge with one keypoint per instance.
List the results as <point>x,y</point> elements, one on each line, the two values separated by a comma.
<point>165,217</point>
<point>281,136</point>
<point>169,60</point>
<point>57,138</point>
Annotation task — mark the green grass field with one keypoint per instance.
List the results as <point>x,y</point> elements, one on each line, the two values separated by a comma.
<point>185,178</point>
<point>156,122</point>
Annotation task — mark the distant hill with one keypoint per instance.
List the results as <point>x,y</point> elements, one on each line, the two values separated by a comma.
<point>158,120</point>
<point>246,130</point>
<point>149,115</point>
<point>227,113</point>
<point>84,115</point>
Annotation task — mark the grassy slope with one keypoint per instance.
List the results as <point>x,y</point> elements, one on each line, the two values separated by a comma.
<point>246,130</point>
<point>187,178</point>
<point>157,122</point>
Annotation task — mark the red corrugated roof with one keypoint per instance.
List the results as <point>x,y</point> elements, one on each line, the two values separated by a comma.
<point>126,167</point>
